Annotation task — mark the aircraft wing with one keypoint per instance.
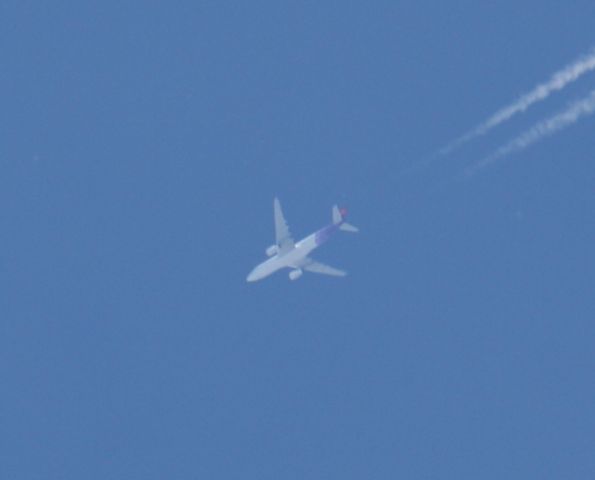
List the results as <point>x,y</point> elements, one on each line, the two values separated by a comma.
<point>317,267</point>
<point>283,237</point>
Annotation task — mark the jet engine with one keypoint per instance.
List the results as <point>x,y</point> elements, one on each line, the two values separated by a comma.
<point>272,250</point>
<point>295,274</point>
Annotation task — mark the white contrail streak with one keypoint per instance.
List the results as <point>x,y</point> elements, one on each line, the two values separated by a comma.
<point>558,81</point>
<point>572,114</point>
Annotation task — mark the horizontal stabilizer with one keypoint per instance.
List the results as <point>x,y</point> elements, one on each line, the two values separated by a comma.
<point>347,227</point>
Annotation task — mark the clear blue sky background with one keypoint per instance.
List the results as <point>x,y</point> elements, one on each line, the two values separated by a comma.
<point>142,144</point>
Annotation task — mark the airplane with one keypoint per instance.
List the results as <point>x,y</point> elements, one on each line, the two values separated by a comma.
<point>285,253</point>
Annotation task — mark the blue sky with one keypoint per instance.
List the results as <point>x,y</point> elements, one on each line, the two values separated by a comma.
<point>142,146</point>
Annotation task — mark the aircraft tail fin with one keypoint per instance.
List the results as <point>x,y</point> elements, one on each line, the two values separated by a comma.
<point>338,218</point>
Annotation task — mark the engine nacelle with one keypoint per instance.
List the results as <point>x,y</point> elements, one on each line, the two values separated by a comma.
<point>272,250</point>
<point>295,274</point>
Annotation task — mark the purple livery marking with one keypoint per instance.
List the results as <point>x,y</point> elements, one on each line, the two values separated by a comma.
<point>325,233</point>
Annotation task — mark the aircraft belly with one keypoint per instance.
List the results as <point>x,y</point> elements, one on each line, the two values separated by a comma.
<point>266,268</point>
<point>272,265</point>
<point>307,244</point>
<point>297,255</point>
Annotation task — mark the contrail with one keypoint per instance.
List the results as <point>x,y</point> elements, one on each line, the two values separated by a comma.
<point>572,114</point>
<point>558,81</point>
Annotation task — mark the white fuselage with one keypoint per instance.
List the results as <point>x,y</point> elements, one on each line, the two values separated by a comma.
<point>291,259</point>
